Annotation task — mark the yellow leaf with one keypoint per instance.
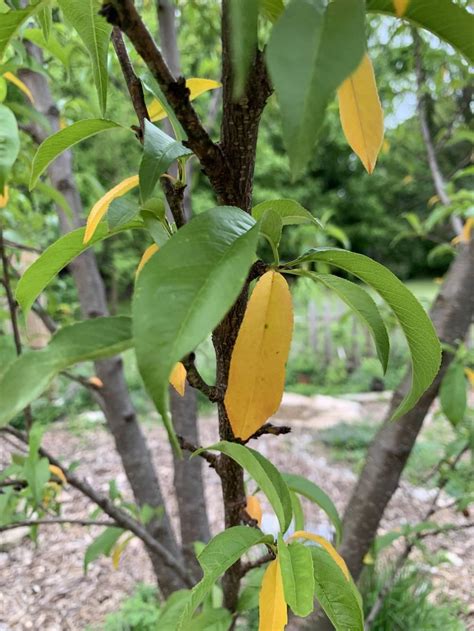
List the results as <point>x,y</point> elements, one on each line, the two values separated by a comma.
<point>4,197</point>
<point>196,88</point>
<point>400,7</point>
<point>470,376</point>
<point>408,179</point>
<point>434,199</point>
<point>273,615</point>
<point>324,543</point>
<point>361,113</point>
<point>178,378</point>
<point>147,254</point>
<point>58,472</point>
<point>254,509</point>
<point>467,230</point>
<point>257,366</point>
<point>118,551</point>
<point>369,559</point>
<point>100,208</point>
<point>9,76</point>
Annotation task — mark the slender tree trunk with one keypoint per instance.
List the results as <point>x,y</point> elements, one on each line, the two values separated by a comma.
<point>118,408</point>
<point>188,481</point>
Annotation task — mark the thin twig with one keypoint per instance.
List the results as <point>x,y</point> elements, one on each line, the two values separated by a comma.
<point>134,85</point>
<point>196,381</point>
<point>121,517</point>
<point>252,565</point>
<point>20,246</point>
<point>269,428</point>
<point>57,520</point>
<point>212,459</point>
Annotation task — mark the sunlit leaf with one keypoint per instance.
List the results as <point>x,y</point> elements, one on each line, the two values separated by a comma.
<point>100,208</point>
<point>361,113</point>
<point>257,368</point>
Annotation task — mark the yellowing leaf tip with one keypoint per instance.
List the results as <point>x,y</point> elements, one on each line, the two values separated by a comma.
<point>147,254</point>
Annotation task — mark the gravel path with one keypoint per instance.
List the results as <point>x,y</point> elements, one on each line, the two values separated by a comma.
<point>43,587</point>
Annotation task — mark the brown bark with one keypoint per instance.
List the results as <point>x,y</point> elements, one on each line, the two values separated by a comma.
<point>118,408</point>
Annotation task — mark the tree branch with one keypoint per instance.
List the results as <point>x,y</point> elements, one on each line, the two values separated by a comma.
<point>268,428</point>
<point>123,14</point>
<point>57,520</point>
<point>121,517</point>
<point>134,85</point>
<point>174,193</point>
<point>212,459</point>
<point>252,565</point>
<point>196,381</point>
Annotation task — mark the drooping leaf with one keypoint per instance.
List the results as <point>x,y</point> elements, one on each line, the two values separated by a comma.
<point>361,113</point>
<point>257,368</point>
<point>147,254</point>
<point>326,45</point>
<point>101,207</point>
<point>94,31</point>
<point>118,549</point>
<point>186,289</point>
<point>120,212</point>
<point>314,493</point>
<point>421,336</point>
<point>159,153</point>
<point>243,41</point>
<point>219,554</point>
<point>9,76</point>
<point>298,514</point>
<point>297,574</point>
<point>54,259</point>
<point>196,88</point>
<point>453,393</point>
<point>290,211</point>
<point>178,378</point>
<point>272,607</point>
<point>254,509</point>
<point>102,544</point>
<point>337,596</point>
<point>326,545</point>
<point>29,376</point>
<point>63,139</point>
<point>36,473</point>
<point>265,475</point>
<point>445,19</point>
<point>9,144</point>
<point>363,306</point>
<point>11,21</point>
<point>51,45</point>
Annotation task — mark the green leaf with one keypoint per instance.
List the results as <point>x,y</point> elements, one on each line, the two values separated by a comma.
<point>220,553</point>
<point>311,491</point>
<point>36,472</point>
<point>421,336</point>
<point>297,574</point>
<point>121,212</point>
<point>212,620</point>
<point>364,306</point>
<point>449,21</point>
<point>51,45</point>
<point>186,289</point>
<point>151,84</point>
<point>326,46</point>
<point>12,21</point>
<point>63,139</point>
<point>265,474</point>
<point>9,143</point>
<point>270,228</point>
<point>95,32</point>
<point>55,258</point>
<point>159,153</point>
<point>172,610</point>
<point>337,596</point>
<point>30,375</point>
<point>271,9</point>
<point>57,197</point>
<point>297,510</point>
<point>243,41</point>
<point>45,19</point>
<point>155,227</point>
<point>453,393</point>
<point>290,212</point>
<point>103,544</point>
<point>248,597</point>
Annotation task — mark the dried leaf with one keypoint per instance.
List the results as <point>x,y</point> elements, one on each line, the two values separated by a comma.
<point>273,614</point>
<point>361,113</point>
<point>257,367</point>
<point>100,207</point>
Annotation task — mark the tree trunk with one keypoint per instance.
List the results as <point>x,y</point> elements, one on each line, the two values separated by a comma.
<point>118,408</point>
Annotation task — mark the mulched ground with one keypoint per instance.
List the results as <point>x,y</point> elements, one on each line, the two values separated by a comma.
<point>43,587</point>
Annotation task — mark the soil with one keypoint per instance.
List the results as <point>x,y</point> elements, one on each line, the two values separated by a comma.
<point>43,586</point>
